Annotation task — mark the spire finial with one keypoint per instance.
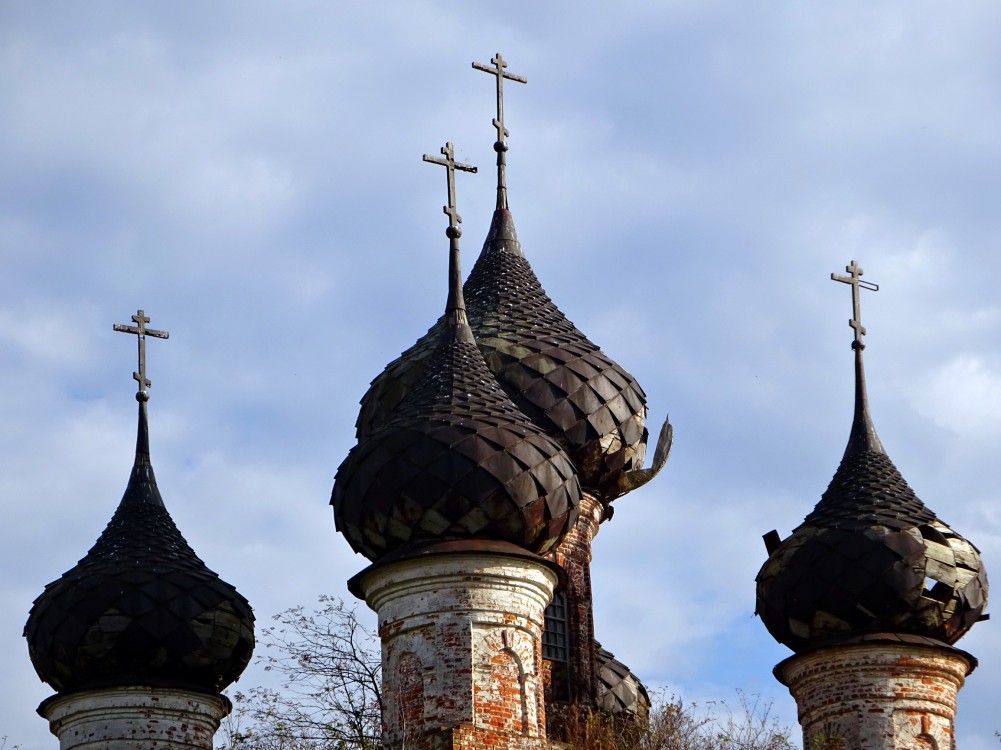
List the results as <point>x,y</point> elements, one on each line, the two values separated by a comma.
<point>854,279</point>
<point>455,307</point>
<point>450,164</point>
<point>500,146</point>
<point>141,331</point>
<point>863,435</point>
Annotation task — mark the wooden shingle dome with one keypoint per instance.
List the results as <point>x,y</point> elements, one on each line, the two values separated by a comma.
<point>140,607</point>
<point>871,557</point>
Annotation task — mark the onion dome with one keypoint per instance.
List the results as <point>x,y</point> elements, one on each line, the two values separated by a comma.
<point>561,380</point>
<point>140,607</point>
<point>455,459</point>
<point>871,557</point>
<point>620,692</point>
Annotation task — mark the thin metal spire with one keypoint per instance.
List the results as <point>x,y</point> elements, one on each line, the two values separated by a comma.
<point>455,308</point>
<point>863,435</point>
<point>500,146</point>
<point>142,396</point>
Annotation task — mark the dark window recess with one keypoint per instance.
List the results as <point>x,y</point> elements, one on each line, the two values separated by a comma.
<point>554,637</point>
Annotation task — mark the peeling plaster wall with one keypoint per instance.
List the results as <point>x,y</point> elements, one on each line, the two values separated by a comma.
<point>461,647</point>
<point>135,718</point>
<point>886,696</point>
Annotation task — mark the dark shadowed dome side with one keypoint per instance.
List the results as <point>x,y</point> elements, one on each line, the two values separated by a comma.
<point>458,461</point>
<point>140,607</point>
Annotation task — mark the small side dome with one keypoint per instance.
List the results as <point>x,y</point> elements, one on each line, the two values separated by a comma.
<point>140,607</point>
<point>455,459</point>
<point>871,557</point>
<point>620,692</point>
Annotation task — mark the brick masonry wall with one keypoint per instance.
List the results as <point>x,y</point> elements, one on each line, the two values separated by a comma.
<point>877,696</point>
<point>574,556</point>
<point>135,718</point>
<point>461,648</point>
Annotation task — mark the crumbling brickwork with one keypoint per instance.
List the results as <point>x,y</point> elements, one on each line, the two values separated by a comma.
<point>879,696</point>
<point>576,681</point>
<point>462,649</point>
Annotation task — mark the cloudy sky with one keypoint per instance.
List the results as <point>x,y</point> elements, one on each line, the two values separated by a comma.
<point>685,175</point>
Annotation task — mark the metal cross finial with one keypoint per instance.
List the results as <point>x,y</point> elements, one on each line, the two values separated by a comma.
<point>141,331</point>
<point>500,145</point>
<point>855,280</point>
<point>499,63</point>
<point>450,164</point>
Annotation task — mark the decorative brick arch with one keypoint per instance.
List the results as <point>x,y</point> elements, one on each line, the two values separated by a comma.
<point>410,693</point>
<point>501,699</point>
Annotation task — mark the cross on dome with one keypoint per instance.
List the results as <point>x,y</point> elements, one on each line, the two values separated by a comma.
<point>141,331</point>
<point>500,146</point>
<point>499,63</point>
<point>450,164</point>
<point>854,279</point>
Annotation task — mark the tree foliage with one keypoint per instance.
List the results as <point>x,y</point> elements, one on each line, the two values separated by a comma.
<point>330,670</point>
<point>329,666</point>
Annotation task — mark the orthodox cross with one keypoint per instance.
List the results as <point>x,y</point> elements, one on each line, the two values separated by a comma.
<point>854,278</point>
<point>499,63</point>
<point>141,331</point>
<point>500,145</point>
<point>450,164</point>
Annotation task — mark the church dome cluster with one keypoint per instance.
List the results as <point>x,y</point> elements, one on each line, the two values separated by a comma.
<point>871,557</point>
<point>454,460</point>
<point>552,372</point>
<point>495,420</point>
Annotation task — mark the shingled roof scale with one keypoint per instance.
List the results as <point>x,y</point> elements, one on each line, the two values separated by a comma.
<point>620,692</point>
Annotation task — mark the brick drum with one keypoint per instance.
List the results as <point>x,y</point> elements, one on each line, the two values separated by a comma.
<point>135,718</point>
<point>461,649</point>
<point>877,696</point>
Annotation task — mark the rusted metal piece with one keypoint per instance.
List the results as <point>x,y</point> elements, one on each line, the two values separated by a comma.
<point>454,458</point>
<point>140,607</point>
<point>871,557</point>
<point>500,145</point>
<point>633,480</point>
<point>141,332</point>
